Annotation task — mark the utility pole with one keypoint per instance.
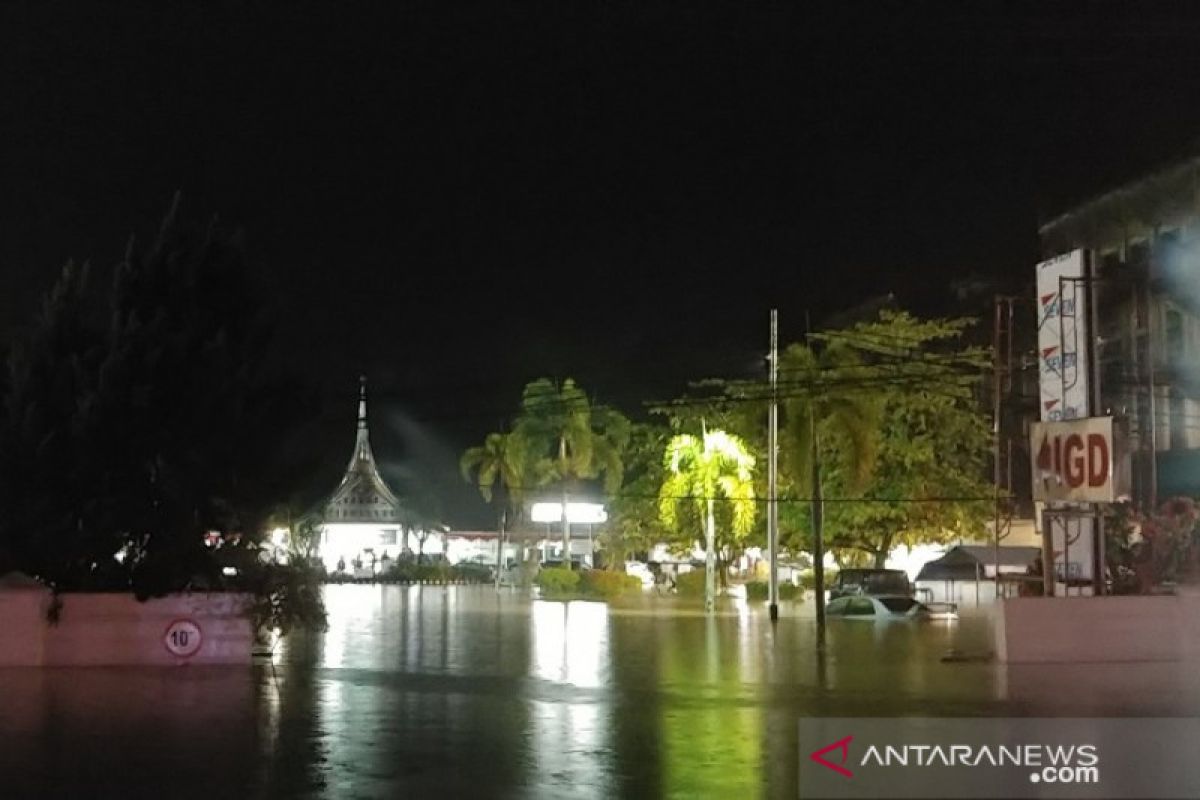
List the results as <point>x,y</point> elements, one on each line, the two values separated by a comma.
<point>817,512</point>
<point>1001,383</point>
<point>566,520</point>
<point>500,544</point>
<point>818,540</point>
<point>773,471</point>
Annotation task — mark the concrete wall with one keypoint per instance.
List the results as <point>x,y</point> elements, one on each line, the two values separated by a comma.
<point>1031,630</point>
<point>22,624</point>
<point>115,629</point>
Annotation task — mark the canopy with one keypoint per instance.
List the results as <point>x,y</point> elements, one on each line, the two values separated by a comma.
<point>966,562</point>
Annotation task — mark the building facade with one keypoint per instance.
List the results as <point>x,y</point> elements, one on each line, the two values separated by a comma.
<point>365,526</point>
<point>1143,242</point>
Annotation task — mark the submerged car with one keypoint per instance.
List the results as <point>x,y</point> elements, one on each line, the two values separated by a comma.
<point>879,607</point>
<point>855,581</point>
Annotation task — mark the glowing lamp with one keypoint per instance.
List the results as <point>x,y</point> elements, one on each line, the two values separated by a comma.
<point>581,513</point>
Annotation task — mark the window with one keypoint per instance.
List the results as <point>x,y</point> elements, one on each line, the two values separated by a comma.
<point>1110,262</point>
<point>1139,253</point>
<point>1174,338</point>
<point>888,583</point>
<point>860,606</point>
<point>1179,421</point>
<point>837,607</point>
<point>898,605</point>
<point>388,537</point>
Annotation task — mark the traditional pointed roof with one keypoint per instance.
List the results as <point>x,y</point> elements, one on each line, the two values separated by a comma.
<point>363,496</point>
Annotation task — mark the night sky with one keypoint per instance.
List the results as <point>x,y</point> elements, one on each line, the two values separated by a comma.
<point>456,199</point>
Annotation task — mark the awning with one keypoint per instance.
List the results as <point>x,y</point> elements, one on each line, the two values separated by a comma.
<point>968,562</point>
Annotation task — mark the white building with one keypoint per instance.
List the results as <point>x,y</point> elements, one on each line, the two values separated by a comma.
<point>364,521</point>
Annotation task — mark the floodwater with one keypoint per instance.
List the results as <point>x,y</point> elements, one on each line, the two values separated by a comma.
<point>465,692</point>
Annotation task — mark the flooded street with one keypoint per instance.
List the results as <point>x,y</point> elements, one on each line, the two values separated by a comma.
<point>460,691</point>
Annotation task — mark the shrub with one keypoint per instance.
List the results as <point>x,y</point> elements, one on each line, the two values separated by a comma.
<point>807,581</point>
<point>472,573</point>
<point>609,584</point>
<point>690,584</point>
<point>557,580</point>
<point>760,590</point>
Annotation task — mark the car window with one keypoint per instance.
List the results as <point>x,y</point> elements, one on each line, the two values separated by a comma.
<point>898,605</point>
<point>861,606</point>
<point>837,606</point>
<point>888,583</point>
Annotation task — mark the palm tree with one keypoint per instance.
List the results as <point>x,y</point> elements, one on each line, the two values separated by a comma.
<point>500,466</point>
<point>702,469</point>
<point>572,440</point>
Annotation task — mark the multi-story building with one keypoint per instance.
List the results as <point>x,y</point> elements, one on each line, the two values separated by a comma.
<point>1143,240</point>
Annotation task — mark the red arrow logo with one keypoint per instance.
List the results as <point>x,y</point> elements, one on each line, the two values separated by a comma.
<point>840,744</point>
<point>1046,298</point>
<point>1045,456</point>
<point>1048,351</point>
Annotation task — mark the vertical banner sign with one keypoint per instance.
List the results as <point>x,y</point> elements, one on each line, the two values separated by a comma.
<point>1062,338</point>
<point>1064,392</point>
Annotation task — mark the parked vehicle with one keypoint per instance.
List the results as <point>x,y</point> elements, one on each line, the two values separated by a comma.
<point>877,607</point>
<point>854,581</point>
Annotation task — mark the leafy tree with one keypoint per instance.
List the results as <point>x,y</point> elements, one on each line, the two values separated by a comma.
<point>701,471</point>
<point>904,441</point>
<point>138,419</point>
<point>571,440</point>
<point>634,524</point>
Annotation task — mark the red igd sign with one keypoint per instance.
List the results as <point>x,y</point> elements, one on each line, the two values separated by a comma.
<point>1073,460</point>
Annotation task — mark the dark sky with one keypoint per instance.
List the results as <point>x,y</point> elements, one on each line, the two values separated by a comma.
<point>457,199</point>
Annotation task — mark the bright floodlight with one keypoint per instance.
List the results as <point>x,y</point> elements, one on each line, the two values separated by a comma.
<point>584,513</point>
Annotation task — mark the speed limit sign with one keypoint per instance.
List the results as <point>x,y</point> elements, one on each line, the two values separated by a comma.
<point>183,638</point>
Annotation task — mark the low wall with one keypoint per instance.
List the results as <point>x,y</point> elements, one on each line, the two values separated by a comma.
<point>1032,630</point>
<point>117,630</point>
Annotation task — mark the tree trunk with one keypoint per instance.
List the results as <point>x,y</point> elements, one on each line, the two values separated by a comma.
<point>500,547</point>
<point>881,552</point>
<point>566,526</point>
<point>710,559</point>
<point>566,521</point>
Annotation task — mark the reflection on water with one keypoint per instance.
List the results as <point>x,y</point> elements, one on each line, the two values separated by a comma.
<point>460,691</point>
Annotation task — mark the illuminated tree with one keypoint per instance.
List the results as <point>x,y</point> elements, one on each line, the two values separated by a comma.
<point>702,471</point>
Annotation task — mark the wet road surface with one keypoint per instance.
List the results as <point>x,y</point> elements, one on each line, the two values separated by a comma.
<point>460,691</point>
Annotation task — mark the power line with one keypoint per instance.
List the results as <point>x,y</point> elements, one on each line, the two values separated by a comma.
<point>621,495</point>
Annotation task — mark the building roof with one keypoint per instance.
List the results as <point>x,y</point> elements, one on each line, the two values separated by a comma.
<point>363,496</point>
<point>969,561</point>
<point>1155,199</point>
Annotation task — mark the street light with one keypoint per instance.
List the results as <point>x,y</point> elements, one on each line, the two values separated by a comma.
<point>577,513</point>
<point>583,513</point>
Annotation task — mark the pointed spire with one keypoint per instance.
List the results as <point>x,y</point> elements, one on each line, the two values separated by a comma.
<point>362,449</point>
<point>363,496</point>
<point>362,402</point>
